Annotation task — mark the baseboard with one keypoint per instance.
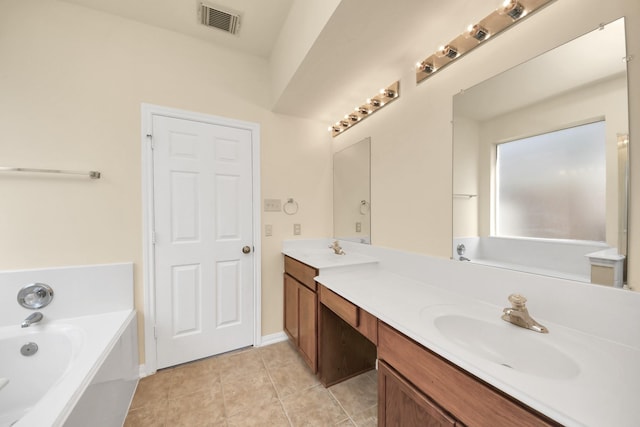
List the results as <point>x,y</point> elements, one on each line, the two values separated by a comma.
<point>142,371</point>
<point>273,338</point>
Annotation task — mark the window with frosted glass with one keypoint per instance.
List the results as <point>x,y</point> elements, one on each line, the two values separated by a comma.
<point>552,186</point>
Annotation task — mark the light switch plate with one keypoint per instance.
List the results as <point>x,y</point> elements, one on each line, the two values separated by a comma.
<point>268,230</point>
<point>358,227</point>
<point>272,205</point>
<point>296,229</point>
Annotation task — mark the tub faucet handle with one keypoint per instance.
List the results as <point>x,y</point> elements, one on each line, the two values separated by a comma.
<point>35,296</point>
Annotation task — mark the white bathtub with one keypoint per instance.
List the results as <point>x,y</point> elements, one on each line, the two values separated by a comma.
<point>84,372</point>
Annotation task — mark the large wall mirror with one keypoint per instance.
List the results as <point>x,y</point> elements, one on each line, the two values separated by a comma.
<point>352,193</point>
<point>540,163</point>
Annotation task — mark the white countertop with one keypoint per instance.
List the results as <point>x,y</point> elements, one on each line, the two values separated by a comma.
<point>598,385</point>
<point>325,258</point>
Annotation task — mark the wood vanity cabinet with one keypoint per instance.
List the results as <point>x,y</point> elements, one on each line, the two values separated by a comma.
<point>415,383</point>
<point>300,309</point>
<point>347,337</point>
<point>356,317</point>
<point>401,404</point>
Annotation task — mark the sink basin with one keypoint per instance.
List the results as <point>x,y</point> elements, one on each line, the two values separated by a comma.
<point>324,258</point>
<point>507,345</point>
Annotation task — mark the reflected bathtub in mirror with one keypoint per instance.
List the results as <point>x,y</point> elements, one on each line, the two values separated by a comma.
<point>579,83</point>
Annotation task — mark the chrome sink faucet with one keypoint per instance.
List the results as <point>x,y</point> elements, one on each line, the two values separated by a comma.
<point>336,248</point>
<point>519,315</point>
<point>33,318</point>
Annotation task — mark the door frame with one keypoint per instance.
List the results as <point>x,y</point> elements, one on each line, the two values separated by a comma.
<point>148,111</point>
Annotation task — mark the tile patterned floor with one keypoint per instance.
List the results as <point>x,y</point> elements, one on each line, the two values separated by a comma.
<point>267,386</point>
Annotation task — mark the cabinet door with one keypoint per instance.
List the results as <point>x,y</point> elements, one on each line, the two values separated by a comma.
<point>307,324</point>
<point>400,404</point>
<point>464,396</point>
<point>291,307</point>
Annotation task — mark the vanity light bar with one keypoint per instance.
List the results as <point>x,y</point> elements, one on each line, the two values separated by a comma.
<point>508,14</point>
<point>373,104</point>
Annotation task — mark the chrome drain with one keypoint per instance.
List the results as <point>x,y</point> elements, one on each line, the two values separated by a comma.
<point>29,349</point>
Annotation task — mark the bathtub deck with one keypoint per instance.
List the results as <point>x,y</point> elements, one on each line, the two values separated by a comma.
<point>94,338</point>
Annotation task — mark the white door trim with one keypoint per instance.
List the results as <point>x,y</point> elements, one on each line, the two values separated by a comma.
<point>148,260</point>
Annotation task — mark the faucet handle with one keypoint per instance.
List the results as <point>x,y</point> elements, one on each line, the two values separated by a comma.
<point>517,301</point>
<point>35,295</point>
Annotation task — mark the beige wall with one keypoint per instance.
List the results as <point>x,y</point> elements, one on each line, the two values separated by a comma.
<point>305,21</point>
<point>72,81</point>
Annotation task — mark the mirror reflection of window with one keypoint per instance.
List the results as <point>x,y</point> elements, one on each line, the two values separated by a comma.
<point>553,185</point>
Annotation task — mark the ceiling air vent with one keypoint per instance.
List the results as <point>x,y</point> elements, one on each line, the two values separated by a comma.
<point>215,17</point>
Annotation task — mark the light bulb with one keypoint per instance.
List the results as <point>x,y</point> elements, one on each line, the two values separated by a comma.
<point>478,32</point>
<point>513,8</point>
<point>448,51</point>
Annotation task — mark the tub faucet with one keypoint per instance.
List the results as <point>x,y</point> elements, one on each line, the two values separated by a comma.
<point>519,315</point>
<point>336,248</point>
<point>33,318</point>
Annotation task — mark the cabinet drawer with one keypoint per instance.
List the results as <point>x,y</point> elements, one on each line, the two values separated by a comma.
<point>464,396</point>
<point>302,272</point>
<point>362,321</point>
<point>340,306</point>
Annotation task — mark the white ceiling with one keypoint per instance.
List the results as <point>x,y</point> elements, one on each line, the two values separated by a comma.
<point>260,20</point>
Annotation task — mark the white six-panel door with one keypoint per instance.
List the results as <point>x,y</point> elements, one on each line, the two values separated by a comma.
<point>203,239</point>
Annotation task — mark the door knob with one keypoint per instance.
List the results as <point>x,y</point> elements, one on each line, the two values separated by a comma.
<point>246,249</point>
